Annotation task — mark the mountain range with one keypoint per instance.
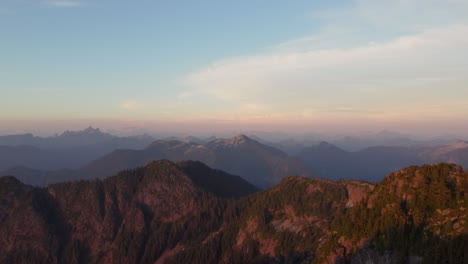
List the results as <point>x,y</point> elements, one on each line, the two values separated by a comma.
<point>69,150</point>
<point>257,163</point>
<point>373,163</point>
<point>91,154</point>
<point>71,139</point>
<point>169,212</point>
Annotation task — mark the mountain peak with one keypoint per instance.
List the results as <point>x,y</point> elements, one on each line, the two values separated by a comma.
<point>237,140</point>
<point>90,129</point>
<point>327,145</point>
<point>241,138</point>
<point>87,131</point>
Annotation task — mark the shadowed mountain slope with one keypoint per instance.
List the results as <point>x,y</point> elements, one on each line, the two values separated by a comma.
<point>165,213</point>
<point>257,163</point>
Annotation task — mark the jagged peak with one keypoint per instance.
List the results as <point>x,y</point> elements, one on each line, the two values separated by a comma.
<point>237,140</point>
<point>88,130</point>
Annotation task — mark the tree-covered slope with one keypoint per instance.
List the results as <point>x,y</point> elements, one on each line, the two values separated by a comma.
<point>175,213</point>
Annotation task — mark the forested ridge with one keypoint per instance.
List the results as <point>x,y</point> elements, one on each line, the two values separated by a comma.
<point>173,213</point>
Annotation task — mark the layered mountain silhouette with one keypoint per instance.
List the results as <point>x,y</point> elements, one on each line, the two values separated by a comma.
<point>374,163</point>
<point>70,139</point>
<point>257,163</point>
<point>41,177</point>
<point>172,213</point>
<point>93,154</point>
<point>70,150</point>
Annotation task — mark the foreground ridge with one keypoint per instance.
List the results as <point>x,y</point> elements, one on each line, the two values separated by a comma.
<point>170,212</point>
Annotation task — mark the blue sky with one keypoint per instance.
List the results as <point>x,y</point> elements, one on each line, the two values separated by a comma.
<point>296,65</point>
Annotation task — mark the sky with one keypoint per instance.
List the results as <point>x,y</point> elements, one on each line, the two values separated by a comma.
<point>293,66</point>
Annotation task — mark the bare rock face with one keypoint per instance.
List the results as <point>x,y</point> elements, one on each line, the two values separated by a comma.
<point>357,191</point>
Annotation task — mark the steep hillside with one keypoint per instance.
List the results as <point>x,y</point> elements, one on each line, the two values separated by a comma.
<point>417,213</point>
<point>137,216</point>
<point>174,213</point>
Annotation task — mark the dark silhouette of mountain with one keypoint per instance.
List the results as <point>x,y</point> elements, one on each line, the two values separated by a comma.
<point>257,163</point>
<point>41,177</point>
<point>91,153</point>
<point>382,138</point>
<point>354,143</point>
<point>73,139</point>
<point>158,206</point>
<point>70,150</point>
<point>215,181</point>
<point>373,163</point>
<point>164,213</point>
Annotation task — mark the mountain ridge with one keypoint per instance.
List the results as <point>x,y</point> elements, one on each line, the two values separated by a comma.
<point>374,163</point>
<point>157,213</point>
<point>257,163</point>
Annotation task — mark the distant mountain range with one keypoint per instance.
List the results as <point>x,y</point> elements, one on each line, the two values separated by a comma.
<point>257,163</point>
<point>70,150</point>
<point>294,144</point>
<point>178,213</point>
<point>373,163</point>
<point>91,154</point>
<point>73,139</point>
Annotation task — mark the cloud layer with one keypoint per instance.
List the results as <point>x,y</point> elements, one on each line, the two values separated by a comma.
<point>418,73</point>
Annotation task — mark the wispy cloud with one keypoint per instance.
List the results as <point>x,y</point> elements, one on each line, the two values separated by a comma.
<point>346,68</point>
<point>64,3</point>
